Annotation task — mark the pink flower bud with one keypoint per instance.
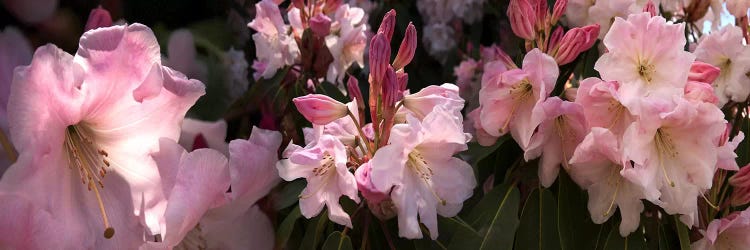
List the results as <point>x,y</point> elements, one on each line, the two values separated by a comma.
<point>355,94</point>
<point>380,56</point>
<point>388,24</point>
<point>98,18</point>
<point>555,38</point>
<point>320,25</point>
<point>575,41</point>
<point>570,94</point>
<point>542,12</point>
<point>522,19</point>
<point>320,109</point>
<point>650,8</point>
<point>407,48</point>
<point>403,80</point>
<point>365,186</point>
<point>703,72</point>
<point>390,88</point>
<point>558,10</point>
<point>701,92</point>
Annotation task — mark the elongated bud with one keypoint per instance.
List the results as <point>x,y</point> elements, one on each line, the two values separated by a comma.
<point>320,25</point>
<point>701,92</point>
<point>542,13</point>
<point>331,6</point>
<point>592,34</point>
<point>403,80</point>
<point>575,41</point>
<point>407,48</point>
<point>355,94</point>
<point>650,8</point>
<point>380,56</point>
<point>558,10</point>
<point>98,18</point>
<point>555,38</point>
<point>703,72</point>
<point>522,19</point>
<point>388,24</point>
<point>390,88</point>
<point>320,109</point>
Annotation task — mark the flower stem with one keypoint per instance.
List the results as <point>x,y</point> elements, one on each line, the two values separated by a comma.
<point>361,133</point>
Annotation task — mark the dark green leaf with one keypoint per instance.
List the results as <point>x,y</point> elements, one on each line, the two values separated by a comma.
<point>682,233</point>
<point>314,231</point>
<point>538,229</point>
<point>286,227</point>
<point>634,241</point>
<point>574,221</point>
<point>332,91</point>
<point>495,217</point>
<point>289,194</point>
<point>338,241</point>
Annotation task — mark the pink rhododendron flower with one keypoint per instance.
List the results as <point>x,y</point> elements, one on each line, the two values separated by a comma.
<point>323,164</point>
<point>511,99</point>
<point>561,130</point>
<point>419,170</point>
<point>740,181</point>
<point>424,101</point>
<point>725,50</point>
<point>94,118</point>
<point>577,13</point>
<point>730,232</point>
<point>674,155</point>
<point>602,107</point>
<point>200,179</point>
<point>700,92</point>
<point>596,166</point>
<point>738,8</point>
<point>347,41</point>
<point>726,155</point>
<point>605,12</point>
<point>213,135</point>
<point>273,46</point>
<point>646,57</point>
<point>365,186</point>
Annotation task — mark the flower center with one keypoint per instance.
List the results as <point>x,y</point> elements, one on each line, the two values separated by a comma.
<point>326,164</point>
<point>519,93</point>
<point>646,71</point>
<point>665,148</point>
<point>91,162</point>
<point>418,165</point>
<point>615,108</point>
<point>567,137</point>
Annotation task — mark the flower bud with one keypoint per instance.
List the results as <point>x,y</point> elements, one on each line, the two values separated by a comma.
<point>741,183</point>
<point>331,6</point>
<point>320,109</point>
<point>558,10</point>
<point>542,12</point>
<point>522,19</point>
<point>320,25</point>
<point>650,8</point>
<point>98,18</point>
<point>355,94</point>
<point>388,24</point>
<point>407,48</point>
<point>380,56</point>
<point>403,80</point>
<point>738,8</point>
<point>390,88</point>
<point>703,72</point>
<point>555,38</point>
<point>575,41</point>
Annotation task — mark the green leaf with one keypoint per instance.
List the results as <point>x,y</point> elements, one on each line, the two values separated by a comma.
<point>682,233</point>
<point>573,219</point>
<point>477,152</point>
<point>289,194</point>
<point>338,241</point>
<point>314,231</point>
<point>286,227</point>
<point>538,229</point>
<point>496,217</point>
<point>634,241</point>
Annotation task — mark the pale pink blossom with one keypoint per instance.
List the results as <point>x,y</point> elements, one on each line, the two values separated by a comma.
<point>726,156</point>
<point>94,117</point>
<point>561,130</point>
<point>725,50</point>
<point>347,41</point>
<point>577,13</point>
<point>646,56</point>
<point>596,166</point>
<point>730,232</point>
<point>198,180</point>
<point>323,164</point>
<point>605,12</point>
<point>273,46</point>
<point>365,186</point>
<point>424,101</point>
<point>672,154</point>
<point>602,107</point>
<point>511,100</point>
<point>740,181</point>
<point>417,167</point>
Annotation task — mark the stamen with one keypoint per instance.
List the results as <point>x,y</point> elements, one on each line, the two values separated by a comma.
<point>417,163</point>
<point>614,196</point>
<point>325,165</point>
<point>646,70</point>
<point>715,207</point>
<point>519,93</point>
<point>562,131</point>
<point>86,158</point>
<point>665,148</point>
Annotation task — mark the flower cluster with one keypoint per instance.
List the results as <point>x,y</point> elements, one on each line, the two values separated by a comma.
<point>402,163</point>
